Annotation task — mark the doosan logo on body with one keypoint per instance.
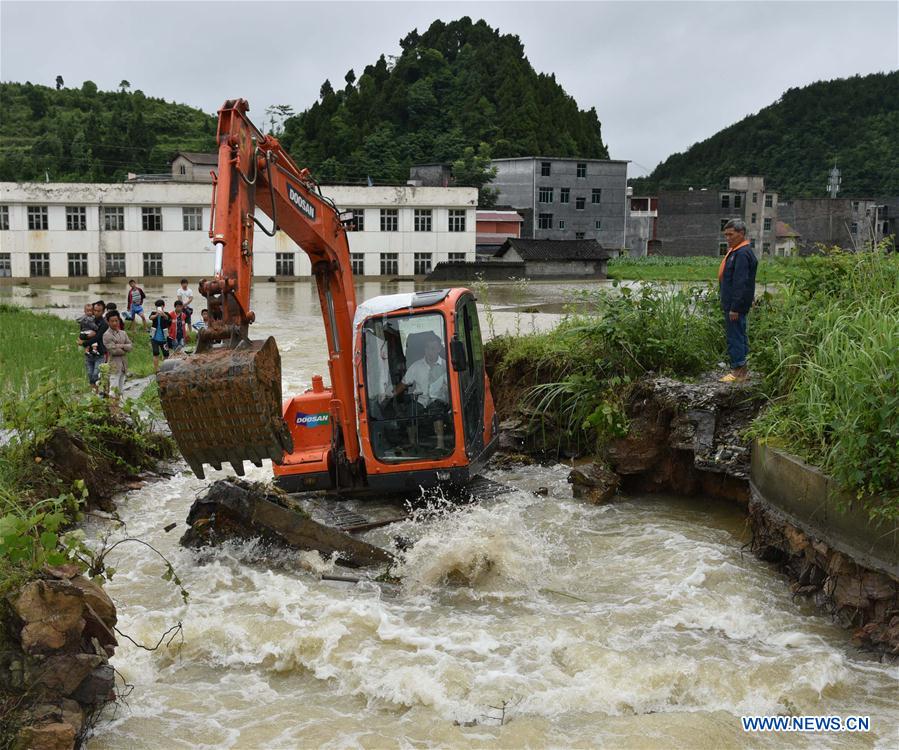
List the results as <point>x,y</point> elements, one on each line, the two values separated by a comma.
<point>300,202</point>
<point>312,420</point>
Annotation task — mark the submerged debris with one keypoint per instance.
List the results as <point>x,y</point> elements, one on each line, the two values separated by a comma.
<point>233,508</point>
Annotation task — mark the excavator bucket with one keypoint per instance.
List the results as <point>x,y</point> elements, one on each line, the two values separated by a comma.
<point>225,405</point>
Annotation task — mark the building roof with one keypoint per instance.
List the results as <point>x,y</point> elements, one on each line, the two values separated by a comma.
<point>196,157</point>
<point>554,249</point>
<point>561,158</point>
<point>499,216</point>
<point>491,238</point>
<point>785,230</point>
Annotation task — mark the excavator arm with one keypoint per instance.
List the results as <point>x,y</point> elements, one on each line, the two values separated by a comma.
<point>224,402</point>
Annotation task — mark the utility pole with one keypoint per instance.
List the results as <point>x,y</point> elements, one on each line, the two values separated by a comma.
<point>833,187</point>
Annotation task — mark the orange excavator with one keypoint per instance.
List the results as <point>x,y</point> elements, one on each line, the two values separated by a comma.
<point>409,404</point>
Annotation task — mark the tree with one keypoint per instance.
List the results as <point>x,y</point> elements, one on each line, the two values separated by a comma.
<point>124,86</point>
<point>326,90</point>
<point>89,88</point>
<point>474,170</point>
<point>277,114</point>
<point>350,77</point>
<point>59,83</point>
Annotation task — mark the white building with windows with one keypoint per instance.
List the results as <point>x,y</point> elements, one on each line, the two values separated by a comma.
<point>160,228</point>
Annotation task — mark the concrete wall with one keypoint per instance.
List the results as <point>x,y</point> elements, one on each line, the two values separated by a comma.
<point>690,222</point>
<point>489,271</point>
<point>812,501</point>
<point>192,172</point>
<point>190,253</point>
<point>519,181</point>
<point>830,221</point>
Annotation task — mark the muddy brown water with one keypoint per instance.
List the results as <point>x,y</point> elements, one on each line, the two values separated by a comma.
<point>638,624</point>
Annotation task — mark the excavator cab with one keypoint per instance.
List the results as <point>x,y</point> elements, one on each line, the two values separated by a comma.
<point>425,412</point>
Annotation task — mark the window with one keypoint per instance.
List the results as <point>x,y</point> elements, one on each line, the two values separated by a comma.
<point>284,264</point>
<point>182,169</point>
<point>37,218</point>
<point>152,264</point>
<point>725,201</point>
<point>76,219</point>
<point>38,264</point>
<point>766,225</point>
<point>580,202</point>
<point>115,264</point>
<point>113,218</point>
<point>722,248</point>
<point>564,194</point>
<point>752,244</point>
<point>855,206</point>
<point>581,169</point>
<point>390,264</point>
<point>854,227</point>
<point>390,219</point>
<point>152,218</point>
<point>561,223</point>
<point>357,261</point>
<point>579,235</point>
<point>766,248</point>
<point>77,264</point>
<point>596,195</point>
<point>422,219</point>
<point>5,265</point>
<point>545,195</point>
<point>4,218</point>
<point>723,224</point>
<point>544,221</point>
<point>755,197</point>
<point>457,257</point>
<point>738,201</point>
<point>422,263</point>
<point>395,346</point>
<point>358,224</point>
<point>457,220</point>
<point>192,218</point>
<point>769,201</point>
<point>597,224</point>
<point>754,217</point>
<point>545,169</point>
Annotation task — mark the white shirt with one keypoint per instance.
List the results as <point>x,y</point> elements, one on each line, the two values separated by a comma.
<point>184,295</point>
<point>427,382</point>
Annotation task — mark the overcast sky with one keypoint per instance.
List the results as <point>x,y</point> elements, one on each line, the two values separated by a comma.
<point>662,75</point>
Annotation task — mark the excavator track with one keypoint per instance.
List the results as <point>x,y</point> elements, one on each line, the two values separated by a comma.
<point>225,405</point>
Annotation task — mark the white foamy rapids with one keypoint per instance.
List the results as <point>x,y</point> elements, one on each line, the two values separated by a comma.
<point>588,622</point>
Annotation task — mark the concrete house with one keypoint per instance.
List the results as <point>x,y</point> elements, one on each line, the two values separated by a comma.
<point>556,259</point>
<point>565,199</point>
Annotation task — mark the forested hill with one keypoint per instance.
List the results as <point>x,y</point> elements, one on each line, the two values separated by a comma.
<point>82,134</point>
<point>454,86</point>
<point>795,141</point>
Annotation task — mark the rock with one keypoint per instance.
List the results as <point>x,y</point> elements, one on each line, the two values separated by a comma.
<point>796,539</point>
<point>97,687</point>
<point>542,491</point>
<point>53,615</point>
<point>512,436</point>
<point>62,572</point>
<point>235,508</point>
<point>57,735</point>
<point>61,674</point>
<point>99,614</point>
<point>594,482</point>
<point>846,592</point>
<point>878,586</point>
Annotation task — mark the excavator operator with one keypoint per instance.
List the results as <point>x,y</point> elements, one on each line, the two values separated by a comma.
<point>427,380</point>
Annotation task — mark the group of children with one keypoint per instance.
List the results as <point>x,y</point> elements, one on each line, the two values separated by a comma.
<point>169,331</point>
<point>103,338</point>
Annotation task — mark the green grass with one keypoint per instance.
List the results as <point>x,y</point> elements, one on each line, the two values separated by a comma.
<point>36,348</point>
<point>695,268</point>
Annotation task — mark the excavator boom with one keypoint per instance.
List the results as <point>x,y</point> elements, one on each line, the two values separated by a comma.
<point>223,403</point>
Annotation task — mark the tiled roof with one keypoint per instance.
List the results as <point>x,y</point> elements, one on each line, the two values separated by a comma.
<point>554,249</point>
<point>785,230</point>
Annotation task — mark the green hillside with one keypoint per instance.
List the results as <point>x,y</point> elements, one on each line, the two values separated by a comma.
<point>455,86</point>
<point>795,141</point>
<point>82,134</point>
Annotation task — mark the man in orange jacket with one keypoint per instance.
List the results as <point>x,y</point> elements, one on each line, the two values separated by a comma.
<point>736,280</point>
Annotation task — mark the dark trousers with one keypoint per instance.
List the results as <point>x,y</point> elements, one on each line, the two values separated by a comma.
<point>737,340</point>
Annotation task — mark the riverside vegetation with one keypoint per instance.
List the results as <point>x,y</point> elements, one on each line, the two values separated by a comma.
<point>65,452</point>
<point>825,346</point>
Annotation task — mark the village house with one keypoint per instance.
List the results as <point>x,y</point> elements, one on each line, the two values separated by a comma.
<point>555,259</point>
